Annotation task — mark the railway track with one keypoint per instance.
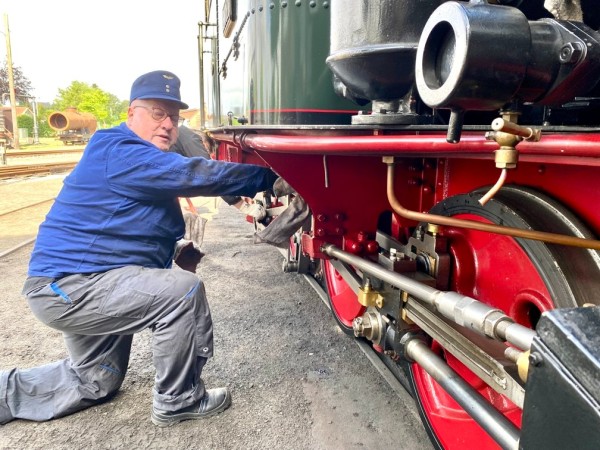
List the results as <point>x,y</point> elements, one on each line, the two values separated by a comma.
<point>25,242</point>
<point>29,153</point>
<point>46,168</point>
<point>5,213</point>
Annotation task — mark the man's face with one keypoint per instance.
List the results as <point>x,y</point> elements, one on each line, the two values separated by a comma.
<point>155,121</point>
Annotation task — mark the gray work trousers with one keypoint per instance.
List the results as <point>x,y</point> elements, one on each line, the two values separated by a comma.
<point>98,315</point>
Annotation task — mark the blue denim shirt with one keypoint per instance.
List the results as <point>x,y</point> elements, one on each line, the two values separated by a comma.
<point>120,206</point>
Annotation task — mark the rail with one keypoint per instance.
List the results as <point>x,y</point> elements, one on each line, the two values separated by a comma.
<point>35,169</point>
<point>28,153</point>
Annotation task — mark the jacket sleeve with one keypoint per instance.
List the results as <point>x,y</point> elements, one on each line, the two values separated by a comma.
<point>146,173</point>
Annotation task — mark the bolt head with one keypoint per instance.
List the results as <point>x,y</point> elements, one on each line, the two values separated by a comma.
<point>570,53</point>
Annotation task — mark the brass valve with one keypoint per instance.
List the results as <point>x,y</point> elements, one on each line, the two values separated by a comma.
<point>507,133</point>
<point>506,126</point>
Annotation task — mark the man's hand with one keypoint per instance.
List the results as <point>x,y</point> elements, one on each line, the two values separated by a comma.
<point>187,256</point>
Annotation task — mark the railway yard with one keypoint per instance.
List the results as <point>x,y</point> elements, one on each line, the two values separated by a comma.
<point>297,381</point>
<point>43,162</point>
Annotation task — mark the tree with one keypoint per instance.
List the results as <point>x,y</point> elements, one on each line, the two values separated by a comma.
<point>22,84</point>
<point>106,107</point>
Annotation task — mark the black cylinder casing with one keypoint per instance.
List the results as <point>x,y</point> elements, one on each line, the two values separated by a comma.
<point>472,56</point>
<point>477,56</point>
<point>374,43</point>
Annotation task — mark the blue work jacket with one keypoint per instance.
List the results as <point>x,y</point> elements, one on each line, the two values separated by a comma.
<point>119,206</point>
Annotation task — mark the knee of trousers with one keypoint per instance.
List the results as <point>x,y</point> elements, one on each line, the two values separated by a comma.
<point>187,286</point>
<point>100,388</point>
<point>97,383</point>
<point>182,282</point>
<point>183,295</point>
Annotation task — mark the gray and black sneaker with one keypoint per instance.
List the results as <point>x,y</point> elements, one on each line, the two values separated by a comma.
<point>214,401</point>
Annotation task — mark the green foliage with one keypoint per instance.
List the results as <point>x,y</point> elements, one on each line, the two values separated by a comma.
<point>43,112</point>
<point>44,130</point>
<point>106,107</point>
<point>25,121</point>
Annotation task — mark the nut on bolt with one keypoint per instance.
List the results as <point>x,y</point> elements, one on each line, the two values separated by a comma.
<point>535,359</point>
<point>570,52</point>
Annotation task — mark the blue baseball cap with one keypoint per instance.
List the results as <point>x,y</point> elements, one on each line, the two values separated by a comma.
<point>159,84</point>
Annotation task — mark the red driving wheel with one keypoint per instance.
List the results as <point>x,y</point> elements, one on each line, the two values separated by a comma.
<point>520,277</point>
<point>342,299</point>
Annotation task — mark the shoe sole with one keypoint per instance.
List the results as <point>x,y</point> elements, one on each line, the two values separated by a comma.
<point>167,421</point>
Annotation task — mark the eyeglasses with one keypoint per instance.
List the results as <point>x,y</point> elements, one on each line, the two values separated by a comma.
<point>160,114</point>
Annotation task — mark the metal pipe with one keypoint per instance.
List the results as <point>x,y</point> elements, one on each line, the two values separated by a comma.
<point>492,421</point>
<point>463,310</point>
<point>425,144</point>
<point>479,226</point>
<point>517,335</point>
<point>36,130</point>
<point>71,119</point>
<point>201,71</point>
<point>216,80</point>
<point>494,189</point>
<point>414,288</point>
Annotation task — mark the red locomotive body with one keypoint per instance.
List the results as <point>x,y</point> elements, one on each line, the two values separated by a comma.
<point>455,220</point>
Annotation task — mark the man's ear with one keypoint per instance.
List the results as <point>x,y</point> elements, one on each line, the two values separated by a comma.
<point>129,114</point>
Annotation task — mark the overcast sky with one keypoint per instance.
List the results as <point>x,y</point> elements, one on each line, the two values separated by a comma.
<point>108,43</point>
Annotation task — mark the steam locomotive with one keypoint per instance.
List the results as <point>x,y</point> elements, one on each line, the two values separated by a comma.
<point>448,152</point>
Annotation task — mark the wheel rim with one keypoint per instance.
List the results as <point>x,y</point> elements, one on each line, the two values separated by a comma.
<point>506,274</point>
<point>342,299</point>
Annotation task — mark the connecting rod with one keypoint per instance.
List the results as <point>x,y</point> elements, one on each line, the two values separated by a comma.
<point>491,420</point>
<point>461,309</point>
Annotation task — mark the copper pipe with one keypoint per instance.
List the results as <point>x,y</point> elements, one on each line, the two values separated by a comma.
<point>495,188</point>
<point>551,238</point>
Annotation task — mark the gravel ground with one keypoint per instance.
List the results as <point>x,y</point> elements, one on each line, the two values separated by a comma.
<point>297,381</point>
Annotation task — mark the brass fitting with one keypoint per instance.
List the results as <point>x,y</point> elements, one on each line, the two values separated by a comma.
<point>368,297</point>
<point>433,229</point>
<point>506,125</point>
<point>403,314</point>
<point>506,157</point>
<point>523,365</point>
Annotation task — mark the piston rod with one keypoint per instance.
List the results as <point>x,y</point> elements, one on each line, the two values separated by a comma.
<point>463,310</point>
<point>492,421</point>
